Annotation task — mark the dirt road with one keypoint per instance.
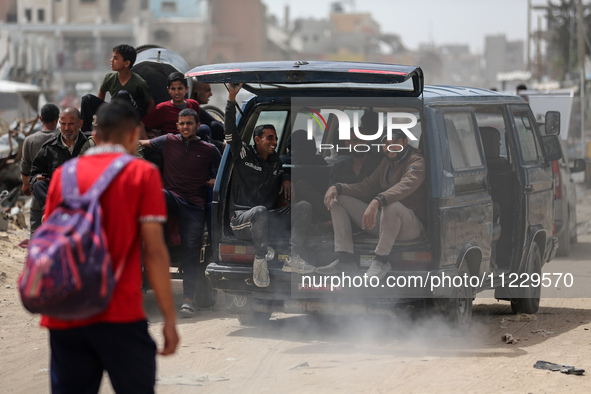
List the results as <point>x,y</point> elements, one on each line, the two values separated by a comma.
<point>297,353</point>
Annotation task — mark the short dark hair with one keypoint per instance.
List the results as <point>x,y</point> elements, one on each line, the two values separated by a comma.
<point>176,76</point>
<point>49,113</point>
<point>258,131</point>
<point>115,119</point>
<point>127,52</point>
<point>190,112</point>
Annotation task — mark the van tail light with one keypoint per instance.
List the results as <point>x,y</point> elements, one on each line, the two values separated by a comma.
<point>557,178</point>
<point>236,253</point>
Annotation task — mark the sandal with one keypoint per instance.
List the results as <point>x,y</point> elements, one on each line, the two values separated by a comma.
<point>187,310</point>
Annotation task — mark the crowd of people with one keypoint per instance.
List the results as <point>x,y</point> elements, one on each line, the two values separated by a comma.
<point>381,195</point>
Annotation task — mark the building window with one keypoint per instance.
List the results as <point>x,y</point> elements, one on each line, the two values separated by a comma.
<point>28,15</point>
<point>40,15</point>
<point>169,7</point>
<point>145,4</point>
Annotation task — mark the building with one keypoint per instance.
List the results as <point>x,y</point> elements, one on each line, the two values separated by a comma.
<point>502,56</point>
<point>65,45</point>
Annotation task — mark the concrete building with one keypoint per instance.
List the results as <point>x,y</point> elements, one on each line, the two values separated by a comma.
<point>65,45</point>
<point>502,56</point>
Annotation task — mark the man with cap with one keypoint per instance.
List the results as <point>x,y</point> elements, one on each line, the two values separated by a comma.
<point>397,210</point>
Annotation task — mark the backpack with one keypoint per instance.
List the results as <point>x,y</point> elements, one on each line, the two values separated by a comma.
<point>68,270</point>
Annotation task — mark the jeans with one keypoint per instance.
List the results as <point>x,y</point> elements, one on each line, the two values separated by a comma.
<point>258,223</point>
<point>191,221</point>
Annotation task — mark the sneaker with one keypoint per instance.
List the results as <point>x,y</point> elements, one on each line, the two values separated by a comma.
<point>379,269</point>
<point>260,273</point>
<point>187,310</point>
<point>336,267</point>
<point>296,264</point>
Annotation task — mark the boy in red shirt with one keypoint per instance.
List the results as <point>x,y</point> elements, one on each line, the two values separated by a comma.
<point>163,118</point>
<point>117,339</point>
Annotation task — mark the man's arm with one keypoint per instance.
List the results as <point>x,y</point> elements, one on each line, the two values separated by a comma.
<point>40,166</point>
<point>411,180</point>
<point>26,189</point>
<point>26,167</point>
<point>231,133</point>
<point>145,144</point>
<point>157,265</point>
<point>101,95</point>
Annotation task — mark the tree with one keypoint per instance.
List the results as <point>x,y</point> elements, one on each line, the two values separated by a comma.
<point>562,44</point>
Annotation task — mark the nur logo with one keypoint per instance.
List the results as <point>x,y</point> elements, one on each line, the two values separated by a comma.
<point>392,123</point>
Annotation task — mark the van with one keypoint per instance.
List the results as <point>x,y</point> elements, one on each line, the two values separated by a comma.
<point>489,181</point>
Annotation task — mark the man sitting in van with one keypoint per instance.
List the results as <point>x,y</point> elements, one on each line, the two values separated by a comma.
<point>257,181</point>
<point>397,209</point>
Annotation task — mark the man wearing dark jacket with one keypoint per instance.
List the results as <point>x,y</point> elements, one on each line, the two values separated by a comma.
<point>257,180</point>
<point>397,209</point>
<point>70,142</point>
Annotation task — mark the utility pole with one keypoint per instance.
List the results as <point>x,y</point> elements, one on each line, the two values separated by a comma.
<point>528,35</point>
<point>581,57</point>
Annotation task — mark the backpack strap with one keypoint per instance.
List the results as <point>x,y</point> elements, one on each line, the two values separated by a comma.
<point>69,180</point>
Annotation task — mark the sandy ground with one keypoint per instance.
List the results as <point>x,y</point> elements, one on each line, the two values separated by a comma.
<point>306,353</point>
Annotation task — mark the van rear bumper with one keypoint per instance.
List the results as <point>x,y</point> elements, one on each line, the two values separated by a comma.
<point>237,279</point>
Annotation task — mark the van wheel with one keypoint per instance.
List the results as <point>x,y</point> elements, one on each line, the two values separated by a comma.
<point>530,300</point>
<point>254,318</point>
<point>564,241</point>
<point>457,310</point>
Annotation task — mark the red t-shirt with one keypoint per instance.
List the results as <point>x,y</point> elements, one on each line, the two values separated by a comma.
<point>165,115</point>
<point>135,195</point>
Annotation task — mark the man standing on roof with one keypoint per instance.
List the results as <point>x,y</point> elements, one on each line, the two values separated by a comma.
<point>257,181</point>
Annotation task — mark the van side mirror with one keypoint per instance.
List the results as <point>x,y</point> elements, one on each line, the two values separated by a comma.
<point>578,166</point>
<point>552,123</point>
<point>551,147</point>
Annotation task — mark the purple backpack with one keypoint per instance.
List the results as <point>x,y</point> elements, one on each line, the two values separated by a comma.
<point>68,271</point>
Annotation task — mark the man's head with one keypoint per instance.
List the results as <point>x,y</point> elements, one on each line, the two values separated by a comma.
<point>70,123</point>
<point>117,122</point>
<point>123,57</point>
<point>49,116</point>
<point>202,92</point>
<point>265,140</point>
<point>177,87</point>
<point>188,123</point>
<point>394,148</point>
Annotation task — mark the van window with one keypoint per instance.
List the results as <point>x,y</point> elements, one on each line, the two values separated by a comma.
<point>461,135</point>
<point>493,117</point>
<point>276,118</point>
<point>525,134</point>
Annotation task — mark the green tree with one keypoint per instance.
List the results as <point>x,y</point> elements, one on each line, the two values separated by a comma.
<point>562,52</point>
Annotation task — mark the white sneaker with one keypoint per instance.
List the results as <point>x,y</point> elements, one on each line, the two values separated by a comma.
<point>379,269</point>
<point>260,273</point>
<point>296,264</point>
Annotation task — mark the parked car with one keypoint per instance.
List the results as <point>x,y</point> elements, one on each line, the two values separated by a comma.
<point>489,181</point>
<point>565,204</point>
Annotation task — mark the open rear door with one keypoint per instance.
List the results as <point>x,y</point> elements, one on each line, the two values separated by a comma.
<point>262,76</point>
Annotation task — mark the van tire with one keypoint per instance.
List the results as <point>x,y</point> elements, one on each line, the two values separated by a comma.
<point>254,318</point>
<point>564,241</point>
<point>530,303</point>
<point>457,310</point>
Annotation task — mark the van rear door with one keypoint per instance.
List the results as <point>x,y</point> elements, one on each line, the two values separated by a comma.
<point>261,77</point>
